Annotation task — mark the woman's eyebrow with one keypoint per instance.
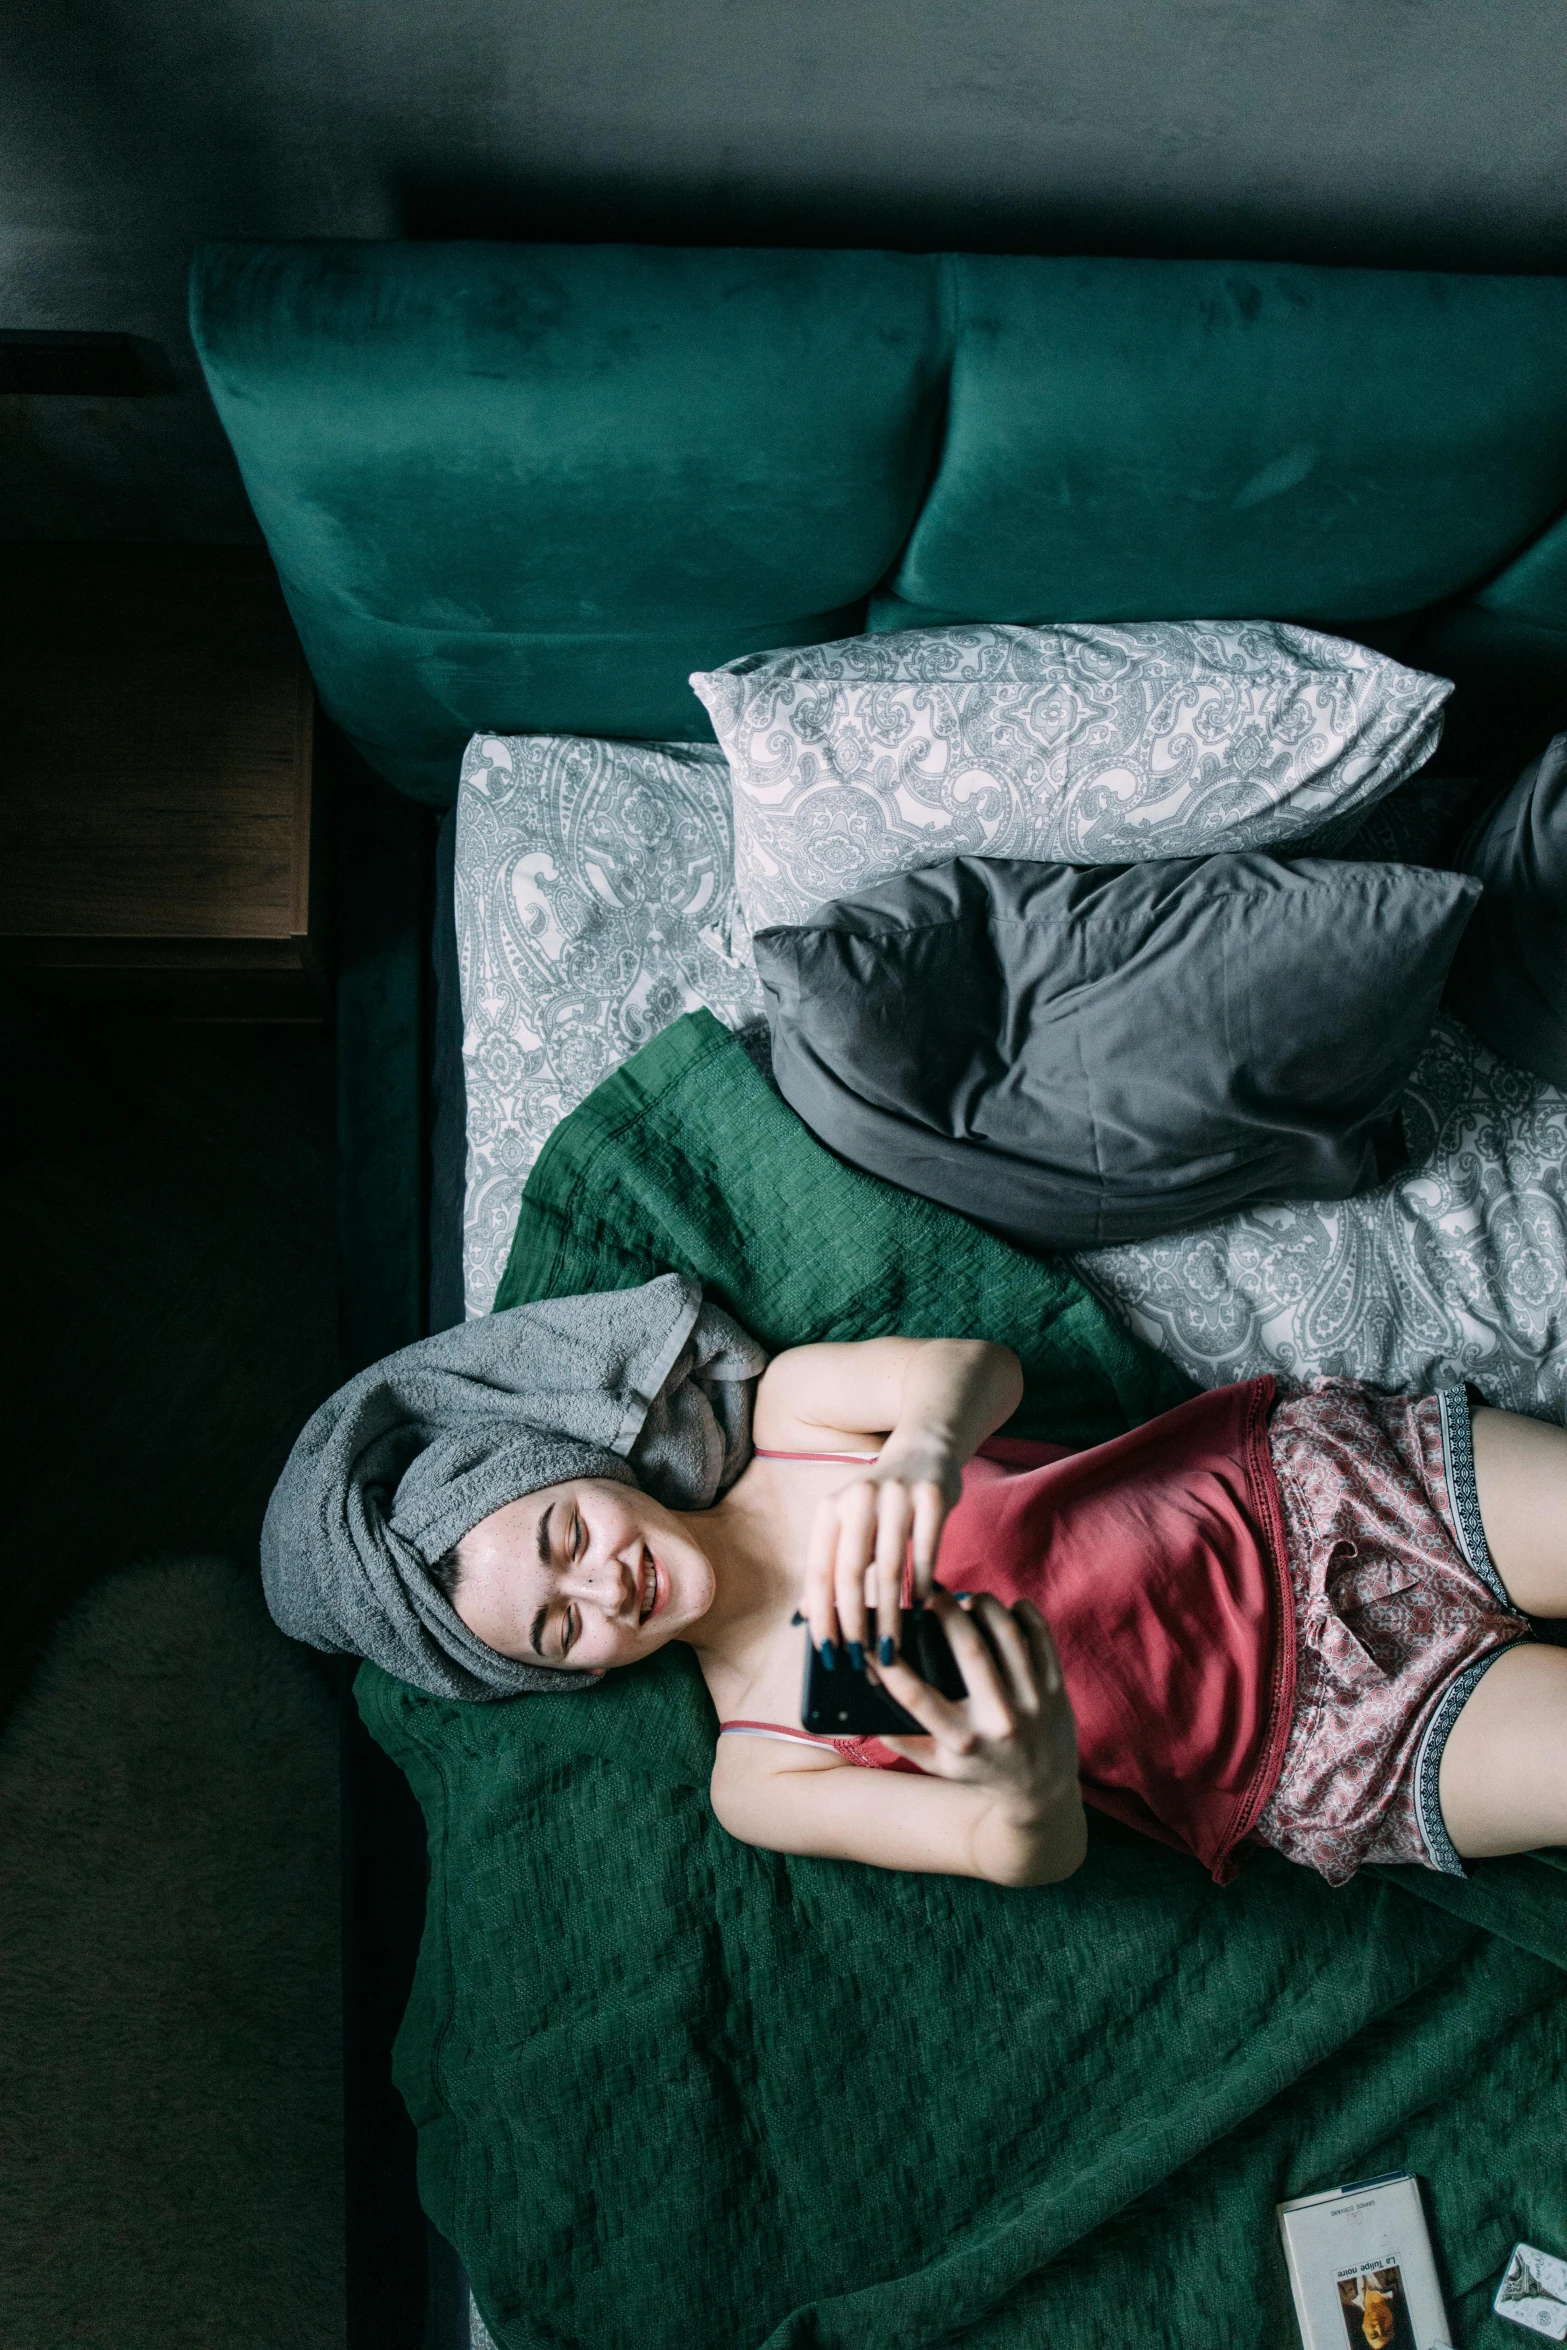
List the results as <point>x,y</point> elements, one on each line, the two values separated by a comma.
<point>537,1633</point>
<point>536,1636</point>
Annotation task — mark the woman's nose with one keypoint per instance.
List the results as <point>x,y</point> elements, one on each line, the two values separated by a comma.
<point>601,1578</point>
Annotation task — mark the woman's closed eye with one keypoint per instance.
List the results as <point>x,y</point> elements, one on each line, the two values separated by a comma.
<point>570,1624</point>
<point>536,1635</point>
<point>573,1539</point>
<point>574,1536</point>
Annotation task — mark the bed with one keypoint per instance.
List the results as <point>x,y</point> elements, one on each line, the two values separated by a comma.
<point>519,492</point>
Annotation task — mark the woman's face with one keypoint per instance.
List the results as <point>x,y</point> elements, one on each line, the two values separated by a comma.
<point>581,1575</point>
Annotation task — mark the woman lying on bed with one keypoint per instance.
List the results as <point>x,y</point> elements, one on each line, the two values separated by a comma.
<point>1298,1622</point>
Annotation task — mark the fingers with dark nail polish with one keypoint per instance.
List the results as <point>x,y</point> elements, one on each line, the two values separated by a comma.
<point>886,1649</point>
<point>856,1656</point>
<point>829,1654</point>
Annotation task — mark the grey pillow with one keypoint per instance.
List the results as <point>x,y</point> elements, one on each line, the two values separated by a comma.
<point>1510,977</point>
<point>1074,1057</point>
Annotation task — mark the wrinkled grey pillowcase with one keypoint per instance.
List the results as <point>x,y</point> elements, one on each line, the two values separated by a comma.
<point>1074,1057</point>
<point>1510,976</point>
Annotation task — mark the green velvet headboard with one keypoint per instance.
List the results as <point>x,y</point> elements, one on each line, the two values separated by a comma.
<point>532,487</point>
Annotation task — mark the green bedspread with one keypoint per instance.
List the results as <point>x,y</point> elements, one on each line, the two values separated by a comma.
<point>676,2093</point>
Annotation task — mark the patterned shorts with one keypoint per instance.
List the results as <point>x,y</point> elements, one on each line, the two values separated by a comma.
<point>1398,1612</point>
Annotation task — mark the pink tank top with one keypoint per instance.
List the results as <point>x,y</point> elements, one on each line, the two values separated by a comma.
<point>1158,1561</point>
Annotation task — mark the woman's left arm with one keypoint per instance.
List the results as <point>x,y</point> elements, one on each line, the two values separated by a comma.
<point>936,1400</point>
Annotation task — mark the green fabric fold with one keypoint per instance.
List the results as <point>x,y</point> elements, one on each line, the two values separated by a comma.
<point>677,2093</point>
<point>1523,1899</point>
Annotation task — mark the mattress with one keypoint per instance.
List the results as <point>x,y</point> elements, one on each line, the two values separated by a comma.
<point>449,1127</point>
<point>592,903</point>
<point>650,2064</point>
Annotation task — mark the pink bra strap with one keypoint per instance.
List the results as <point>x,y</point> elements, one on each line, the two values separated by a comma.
<point>764,1454</point>
<point>772,1730</point>
<point>859,1751</point>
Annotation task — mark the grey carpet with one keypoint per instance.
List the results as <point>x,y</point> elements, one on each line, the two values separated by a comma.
<point>171,1288</point>
<point>170,2021</point>
<point>170,1990</point>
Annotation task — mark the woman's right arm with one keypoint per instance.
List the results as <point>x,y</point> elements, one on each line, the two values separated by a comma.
<point>998,1796</point>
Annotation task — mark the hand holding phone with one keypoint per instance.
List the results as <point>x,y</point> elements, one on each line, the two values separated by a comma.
<point>1003,1721</point>
<point>1014,1732</point>
<point>845,1702</point>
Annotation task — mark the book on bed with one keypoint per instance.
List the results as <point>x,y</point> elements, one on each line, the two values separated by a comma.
<point>1361,2269</point>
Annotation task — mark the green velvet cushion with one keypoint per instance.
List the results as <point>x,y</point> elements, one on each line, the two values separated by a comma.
<point>529,488</point>
<point>677,2094</point>
<point>1132,438</point>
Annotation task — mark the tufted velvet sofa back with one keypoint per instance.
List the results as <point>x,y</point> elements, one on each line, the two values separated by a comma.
<point>532,487</point>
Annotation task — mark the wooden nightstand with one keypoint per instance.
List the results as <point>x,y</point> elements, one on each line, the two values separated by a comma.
<point>159,835</point>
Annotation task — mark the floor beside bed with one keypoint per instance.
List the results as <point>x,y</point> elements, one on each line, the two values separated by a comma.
<point>170,1961</point>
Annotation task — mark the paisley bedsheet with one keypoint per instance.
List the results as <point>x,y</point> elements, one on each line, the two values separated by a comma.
<point>594,900</point>
<point>1457,1269</point>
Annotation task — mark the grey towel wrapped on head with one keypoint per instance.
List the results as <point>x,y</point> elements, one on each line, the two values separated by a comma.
<point>648,1386</point>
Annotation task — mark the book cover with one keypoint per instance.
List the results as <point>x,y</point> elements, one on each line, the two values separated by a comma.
<point>1361,2268</point>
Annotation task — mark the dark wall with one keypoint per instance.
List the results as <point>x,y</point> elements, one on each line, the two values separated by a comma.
<point>1424,132</point>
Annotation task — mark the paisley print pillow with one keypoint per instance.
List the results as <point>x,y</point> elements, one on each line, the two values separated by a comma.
<point>1457,1269</point>
<point>1094,745</point>
<point>594,904</point>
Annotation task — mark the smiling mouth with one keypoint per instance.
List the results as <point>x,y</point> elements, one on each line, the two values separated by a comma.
<point>655,1585</point>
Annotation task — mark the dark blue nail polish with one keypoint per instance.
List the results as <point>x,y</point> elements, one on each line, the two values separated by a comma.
<point>856,1656</point>
<point>829,1654</point>
<point>963,1595</point>
<point>886,1648</point>
<point>797,1618</point>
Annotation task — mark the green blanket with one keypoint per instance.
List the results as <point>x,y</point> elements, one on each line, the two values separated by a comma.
<point>676,2093</point>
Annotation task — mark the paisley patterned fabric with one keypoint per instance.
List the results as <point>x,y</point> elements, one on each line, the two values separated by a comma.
<point>1456,1270</point>
<point>594,896</point>
<point>1094,745</point>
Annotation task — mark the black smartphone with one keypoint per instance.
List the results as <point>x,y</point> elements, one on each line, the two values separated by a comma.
<point>844,1703</point>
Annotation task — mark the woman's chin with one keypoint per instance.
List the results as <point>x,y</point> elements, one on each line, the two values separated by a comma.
<point>657,1634</point>
<point>709,1592</point>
